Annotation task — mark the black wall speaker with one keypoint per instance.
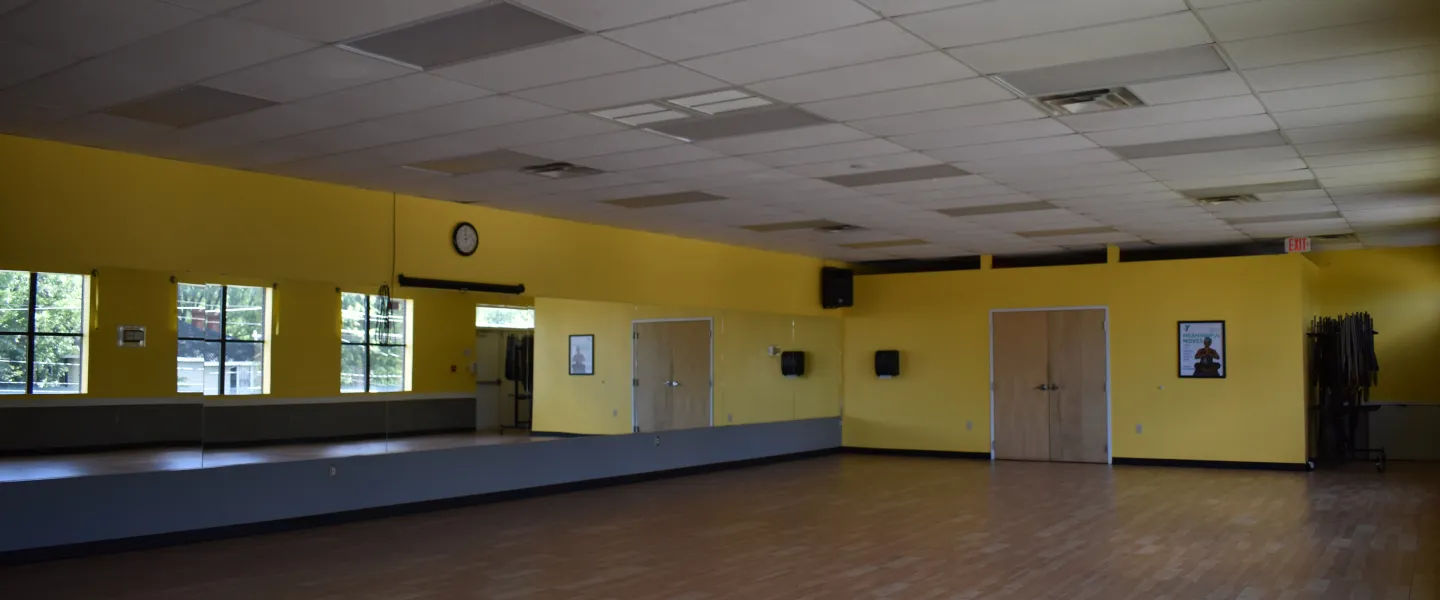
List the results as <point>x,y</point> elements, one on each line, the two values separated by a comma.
<point>837,287</point>
<point>792,363</point>
<point>887,363</point>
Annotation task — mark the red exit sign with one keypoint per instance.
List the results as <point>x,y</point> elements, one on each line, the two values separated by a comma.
<point>1297,244</point>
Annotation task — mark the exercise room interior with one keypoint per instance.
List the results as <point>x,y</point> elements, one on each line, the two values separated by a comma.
<point>933,299</point>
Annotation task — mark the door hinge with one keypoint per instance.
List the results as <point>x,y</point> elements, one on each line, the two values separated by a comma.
<point>636,335</point>
<point>637,429</point>
<point>635,382</point>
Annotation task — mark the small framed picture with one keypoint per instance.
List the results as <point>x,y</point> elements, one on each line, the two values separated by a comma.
<point>1202,350</point>
<point>582,354</point>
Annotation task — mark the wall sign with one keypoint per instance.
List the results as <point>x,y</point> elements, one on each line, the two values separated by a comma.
<point>131,336</point>
<point>1202,349</point>
<point>1297,244</point>
<point>582,355</point>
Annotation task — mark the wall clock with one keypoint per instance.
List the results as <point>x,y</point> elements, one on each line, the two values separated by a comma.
<point>465,239</point>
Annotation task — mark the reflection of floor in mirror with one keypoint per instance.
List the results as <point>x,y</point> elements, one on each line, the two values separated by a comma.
<point>56,466</point>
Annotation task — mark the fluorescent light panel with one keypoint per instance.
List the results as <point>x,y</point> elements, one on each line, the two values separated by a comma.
<point>793,225</point>
<point>664,200</point>
<point>1329,214</point>
<point>640,114</point>
<point>996,209</point>
<point>739,124</point>
<point>1252,190</point>
<point>885,244</point>
<point>1166,64</point>
<point>464,36</point>
<point>722,101</point>
<point>1066,232</point>
<point>1198,146</point>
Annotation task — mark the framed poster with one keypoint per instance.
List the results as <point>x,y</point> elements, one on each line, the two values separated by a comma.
<point>1202,349</point>
<point>582,354</point>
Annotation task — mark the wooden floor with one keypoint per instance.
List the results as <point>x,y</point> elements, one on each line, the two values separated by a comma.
<point>55,466</point>
<point>840,527</point>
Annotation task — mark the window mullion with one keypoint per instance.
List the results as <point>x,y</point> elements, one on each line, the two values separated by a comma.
<point>30,336</point>
<point>224,301</point>
<point>368,300</point>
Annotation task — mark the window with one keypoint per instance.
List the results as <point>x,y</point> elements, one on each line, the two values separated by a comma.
<point>42,332</point>
<point>222,334</point>
<point>374,350</point>
<point>505,317</point>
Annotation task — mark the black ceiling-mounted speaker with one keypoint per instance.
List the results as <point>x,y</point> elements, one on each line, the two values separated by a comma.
<point>887,363</point>
<point>792,363</point>
<point>837,287</point>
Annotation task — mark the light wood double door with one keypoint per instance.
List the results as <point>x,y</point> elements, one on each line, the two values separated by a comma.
<point>1050,397</point>
<point>672,375</point>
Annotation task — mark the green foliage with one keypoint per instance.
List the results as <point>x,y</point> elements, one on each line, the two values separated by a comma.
<point>59,309</point>
<point>380,338</point>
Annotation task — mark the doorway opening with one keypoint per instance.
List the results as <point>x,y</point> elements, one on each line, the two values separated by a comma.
<point>672,366</point>
<point>504,367</point>
<point>1050,384</point>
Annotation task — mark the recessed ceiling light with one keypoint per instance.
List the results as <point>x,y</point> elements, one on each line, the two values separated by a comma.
<point>722,101</point>
<point>897,175</point>
<point>640,114</point>
<point>187,106</point>
<point>1089,101</point>
<point>1256,189</point>
<point>996,209</point>
<point>560,170</point>
<point>745,123</point>
<point>793,225</point>
<point>659,200</point>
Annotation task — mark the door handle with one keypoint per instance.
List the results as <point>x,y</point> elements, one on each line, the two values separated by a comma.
<point>1054,387</point>
<point>1042,387</point>
<point>672,383</point>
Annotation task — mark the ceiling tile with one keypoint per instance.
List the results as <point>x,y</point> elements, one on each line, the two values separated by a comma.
<point>1424,164</point>
<point>1068,183</point>
<point>984,134</point>
<point>1354,113</point>
<point>1024,174</point>
<point>1102,191</point>
<point>1228,180</point>
<point>599,16</point>
<point>337,20</point>
<point>1274,17</point>
<point>560,127</point>
<point>1215,161</point>
<point>312,73</point>
<point>1046,161</point>
<point>451,118</point>
<point>1107,41</point>
<point>606,143</point>
<point>649,158</point>
<point>487,30</point>
<point>565,60</point>
<point>1184,89</point>
<point>1375,156</point>
<point>895,8</point>
<point>85,28</point>
<point>1012,149</point>
<point>402,94</point>
<point>190,105</point>
<point>1267,139</point>
<point>21,62</point>
<point>965,116</point>
<point>739,124</point>
<point>1180,112</point>
<point>1184,131</point>
<point>869,164</point>
<point>853,45</point>
<point>910,100</point>
<point>718,166</point>
<point>651,83</point>
<point>158,63</point>
<point>908,71</point>
<point>781,140</point>
<point>827,153</point>
<point>1409,61</point>
<point>1363,144</point>
<point>994,21</point>
<point>739,24</point>
<point>209,6</point>
<point>1354,92</point>
<point>1347,131</point>
<point>1318,44</point>
<point>1122,70</point>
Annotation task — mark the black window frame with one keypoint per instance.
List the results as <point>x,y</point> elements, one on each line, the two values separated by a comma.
<point>367,343</point>
<point>30,333</point>
<point>224,341</point>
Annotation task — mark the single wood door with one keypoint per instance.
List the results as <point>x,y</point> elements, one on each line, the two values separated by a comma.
<point>672,375</point>
<point>1078,417</point>
<point>1022,406</point>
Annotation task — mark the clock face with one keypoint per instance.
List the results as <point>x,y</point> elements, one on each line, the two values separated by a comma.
<point>465,239</point>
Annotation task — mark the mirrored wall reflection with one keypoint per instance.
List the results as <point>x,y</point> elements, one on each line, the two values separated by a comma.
<point>60,439</point>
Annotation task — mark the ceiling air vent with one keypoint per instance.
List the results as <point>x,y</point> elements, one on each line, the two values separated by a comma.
<point>560,170</point>
<point>1240,199</point>
<point>839,228</point>
<point>1089,101</point>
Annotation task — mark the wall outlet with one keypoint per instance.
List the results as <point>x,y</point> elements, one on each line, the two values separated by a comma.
<point>969,425</point>
<point>333,470</point>
<point>657,440</point>
<point>1139,428</point>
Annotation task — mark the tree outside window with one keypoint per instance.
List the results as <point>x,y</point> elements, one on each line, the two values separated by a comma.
<point>221,335</point>
<point>372,343</point>
<point>42,332</point>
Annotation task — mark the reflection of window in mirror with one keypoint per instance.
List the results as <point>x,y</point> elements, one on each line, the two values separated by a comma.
<point>375,334</point>
<point>505,317</point>
<point>222,329</point>
<point>43,342</point>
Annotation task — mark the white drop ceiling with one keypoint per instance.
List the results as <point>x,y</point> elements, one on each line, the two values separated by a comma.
<point>1326,98</point>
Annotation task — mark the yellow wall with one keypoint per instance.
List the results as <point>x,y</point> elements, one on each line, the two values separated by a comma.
<point>1400,287</point>
<point>940,323</point>
<point>748,384</point>
<point>140,220</point>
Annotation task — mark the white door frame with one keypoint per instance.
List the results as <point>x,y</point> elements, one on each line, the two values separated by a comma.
<point>635,418</point>
<point>1109,424</point>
